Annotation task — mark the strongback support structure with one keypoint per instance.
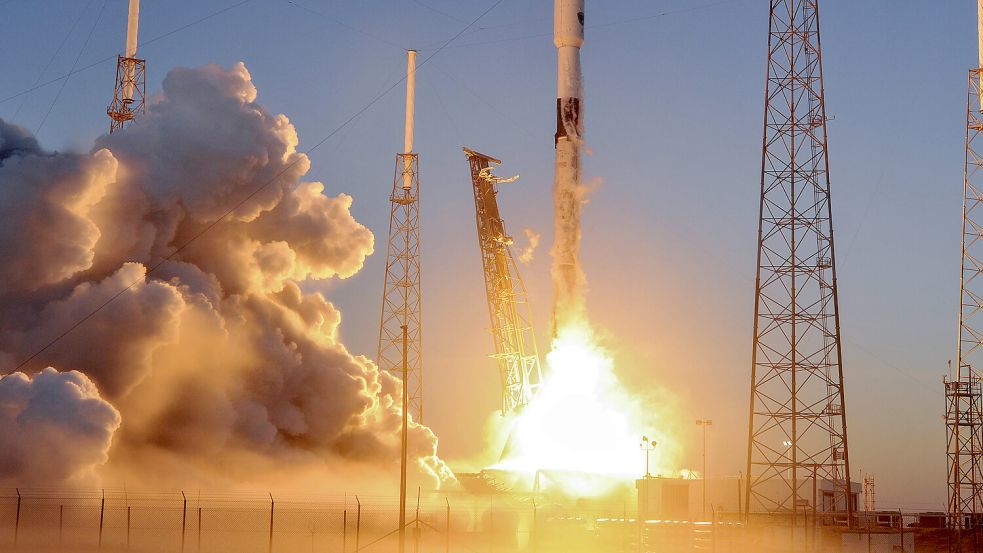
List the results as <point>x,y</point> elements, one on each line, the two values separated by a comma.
<point>797,432</point>
<point>401,302</point>
<point>508,304</point>
<point>963,390</point>
<point>129,92</point>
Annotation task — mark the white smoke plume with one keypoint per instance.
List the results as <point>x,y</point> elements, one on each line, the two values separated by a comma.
<point>197,228</point>
<point>532,242</point>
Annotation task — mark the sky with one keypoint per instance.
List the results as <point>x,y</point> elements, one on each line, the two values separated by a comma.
<point>673,114</point>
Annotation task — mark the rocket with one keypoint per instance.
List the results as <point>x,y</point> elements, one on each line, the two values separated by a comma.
<point>568,279</point>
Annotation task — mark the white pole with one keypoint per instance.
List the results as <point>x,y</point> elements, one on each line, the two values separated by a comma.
<point>979,25</point>
<point>410,107</point>
<point>132,25</point>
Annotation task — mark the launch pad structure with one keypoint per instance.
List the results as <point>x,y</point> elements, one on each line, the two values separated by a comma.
<point>797,432</point>
<point>130,89</point>
<point>508,303</point>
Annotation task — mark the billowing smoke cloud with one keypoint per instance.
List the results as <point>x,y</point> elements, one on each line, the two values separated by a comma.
<point>193,230</point>
<point>53,427</point>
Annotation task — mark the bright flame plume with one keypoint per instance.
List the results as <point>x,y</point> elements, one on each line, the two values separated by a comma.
<point>584,420</point>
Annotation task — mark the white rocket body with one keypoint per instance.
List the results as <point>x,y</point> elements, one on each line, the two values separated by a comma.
<point>568,37</point>
<point>568,279</point>
<point>132,28</point>
<point>410,110</point>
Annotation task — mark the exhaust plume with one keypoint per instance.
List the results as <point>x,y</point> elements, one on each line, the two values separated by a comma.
<point>53,427</point>
<point>222,367</point>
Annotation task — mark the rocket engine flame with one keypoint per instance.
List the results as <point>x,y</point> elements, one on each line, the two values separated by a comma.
<point>584,420</point>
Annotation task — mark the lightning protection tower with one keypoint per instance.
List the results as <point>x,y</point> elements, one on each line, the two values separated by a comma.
<point>508,304</point>
<point>131,77</point>
<point>401,305</point>
<point>797,432</point>
<point>963,390</point>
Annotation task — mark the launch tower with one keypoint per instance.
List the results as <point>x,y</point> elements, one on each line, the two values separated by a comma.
<point>964,389</point>
<point>401,305</point>
<point>508,304</point>
<point>131,77</point>
<point>797,432</point>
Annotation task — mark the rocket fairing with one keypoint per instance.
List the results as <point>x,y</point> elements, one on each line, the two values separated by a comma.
<point>568,278</point>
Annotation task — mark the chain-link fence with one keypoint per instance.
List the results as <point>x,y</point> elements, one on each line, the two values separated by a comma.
<point>192,522</point>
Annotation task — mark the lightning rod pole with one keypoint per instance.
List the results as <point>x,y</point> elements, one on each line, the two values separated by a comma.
<point>402,461</point>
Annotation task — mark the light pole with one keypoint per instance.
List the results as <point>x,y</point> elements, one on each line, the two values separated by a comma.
<point>647,446</point>
<point>704,423</point>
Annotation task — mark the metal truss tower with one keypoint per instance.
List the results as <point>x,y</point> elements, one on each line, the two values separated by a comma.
<point>401,303</point>
<point>508,304</point>
<point>130,90</point>
<point>963,391</point>
<point>797,432</point>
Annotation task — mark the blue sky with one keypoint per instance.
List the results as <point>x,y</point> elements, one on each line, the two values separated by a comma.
<point>674,93</point>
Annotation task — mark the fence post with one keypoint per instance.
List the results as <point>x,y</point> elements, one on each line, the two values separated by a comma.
<point>61,520</point>
<point>624,527</point>
<point>713,529</point>
<point>358,523</point>
<point>535,525</point>
<point>184,518</point>
<point>17,518</point>
<point>199,529</point>
<point>416,527</point>
<point>102,516</point>
<point>447,530</point>
<point>271,523</point>
<point>128,526</point>
<point>344,531</point>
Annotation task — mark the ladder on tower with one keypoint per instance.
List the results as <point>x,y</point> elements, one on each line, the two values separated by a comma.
<point>508,304</point>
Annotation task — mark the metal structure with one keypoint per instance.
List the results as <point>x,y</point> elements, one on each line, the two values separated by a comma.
<point>705,424</point>
<point>870,500</point>
<point>508,303</point>
<point>401,303</point>
<point>797,431</point>
<point>130,90</point>
<point>964,389</point>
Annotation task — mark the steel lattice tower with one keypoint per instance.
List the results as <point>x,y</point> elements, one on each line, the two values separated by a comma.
<point>401,304</point>
<point>964,401</point>
<point>508,303</point>
<point>130,90</point>
<point>797,434</point>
